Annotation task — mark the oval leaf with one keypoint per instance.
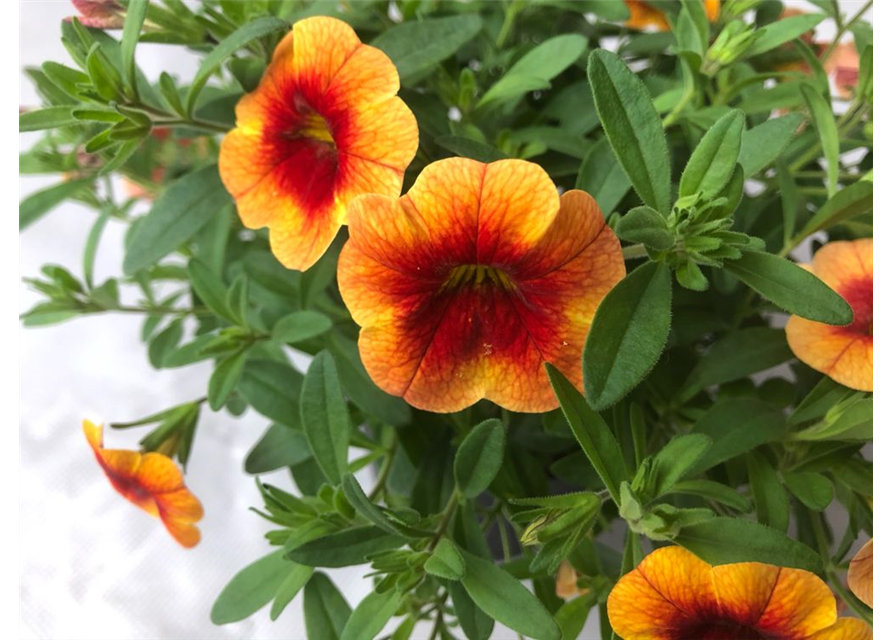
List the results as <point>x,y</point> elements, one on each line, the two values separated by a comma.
<point>479,458</point>
<point>628,334</point>
<point>325,417</point>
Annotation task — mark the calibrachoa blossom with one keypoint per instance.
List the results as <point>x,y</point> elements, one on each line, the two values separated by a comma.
<point>99,14</point>
<point>674,595</point>
<point>870,575</point>
<point>844,354</point>
<point>643,15</point>
<point>467,284</point>
<point>152,482</point>
<point>323,126</point>
<point>566,582</point>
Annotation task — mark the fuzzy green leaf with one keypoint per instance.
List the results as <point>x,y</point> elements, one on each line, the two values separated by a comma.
<point>479,458</point>
<point>325,417</point>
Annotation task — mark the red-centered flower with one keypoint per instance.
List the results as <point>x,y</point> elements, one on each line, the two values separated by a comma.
<point>467,284</point>
<point>100,14</point>
<point>152,482</point>
<point>323,126</point>
<point>844,354</point>
<point>674,595</point>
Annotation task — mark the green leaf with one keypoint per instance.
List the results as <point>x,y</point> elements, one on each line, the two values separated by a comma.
<point>854,200</point>
<point>184,208</point>
<point>826,125</point>
<point>325,609</point>
<point>820,399</point>
<point>93,244</point>
<point>476,624</point>
<point>852,420</point>
<point>777,33</point>
<point>133,24</point>
<point>242,36</point>
<point>644,224</point>
<point>446,561</point>
<point>359,501</point>
<point>627,335</point>
<point>502,597</point>
<point>736,426</point>
<point>729,540</point>
<point>345,548</point>
<point>417,46</point>
<point>325,417</point>
<point>714,159</point>
<point>602,177</point>
<point>593,433</point>
<point>251,588</point>
<point>676,459</point>
<point>39,203</point>
<point>738,355</point>
<point>761,145</point>
<point>371,615</point>
<point>210,288</point>
<point>48,118</point>
<point>813,489</point>
<point>769,497</point>
<point>715,491</point>
<point>299,326</point>
<point>479,458</point>
<point>273,389</point>
<point>632,126</point>
<point>359,386</point>
<point>279,447</point>
<point>791,287</point>
<point>289,589</point>
<point>540,64</point>
<point>165,342</point>
<point>224,379</point>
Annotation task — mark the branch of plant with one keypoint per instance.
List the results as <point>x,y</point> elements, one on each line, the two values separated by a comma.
<point>829,51</point>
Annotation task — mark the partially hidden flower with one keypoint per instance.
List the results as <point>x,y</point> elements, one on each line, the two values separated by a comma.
<point>167,158</point>
<point>323,126</point>
<point>566,586</point>
<point>153,482</point>
<point>674,595</point>
<point>467,284</point>
<point>842,67</point>
<point>644,15</point>
<point>844,354</point>
<point>870,575</point>
<point>100,14</point>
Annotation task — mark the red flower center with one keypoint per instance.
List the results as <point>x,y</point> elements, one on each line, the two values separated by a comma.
<point>305,146</point>
<point>860,294</point>
<point>720,631</point>
<point>477,275</point>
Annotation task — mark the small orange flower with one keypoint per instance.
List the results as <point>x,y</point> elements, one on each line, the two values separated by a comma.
<point>674,595</point>
<point>844,354</point>
<point>323,126</point>
<point>467,284</point>
<point>643,15</point>
<point>870,575</point>
<point>152,482</point>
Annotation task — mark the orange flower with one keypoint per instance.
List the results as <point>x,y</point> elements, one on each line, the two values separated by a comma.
<point>643,15</point>
<point>464,286</point>
<point>870,575</point>
<point>673,595</point>
<point>844,354</point>
<point>152,482</point>
<point>323,126</point>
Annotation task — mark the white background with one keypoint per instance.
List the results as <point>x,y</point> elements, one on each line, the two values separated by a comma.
<point>91,564</point>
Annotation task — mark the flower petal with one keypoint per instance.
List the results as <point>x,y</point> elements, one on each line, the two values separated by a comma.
<point>838,263</point>
<point>184,532</point>
<point>743,590</point>
<point>860,576</point>
<point>180,504</point>
<point>158,474</point>
<point>844,358</point>
<point>365,78</point>
<point>322,46</point>
<point>800,605</point>
<point>845,629</point>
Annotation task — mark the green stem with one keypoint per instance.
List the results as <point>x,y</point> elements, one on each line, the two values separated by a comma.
<point>447,516</point>
<point>634,251</point>
<point>385,470</point>
<point>508,23</point>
